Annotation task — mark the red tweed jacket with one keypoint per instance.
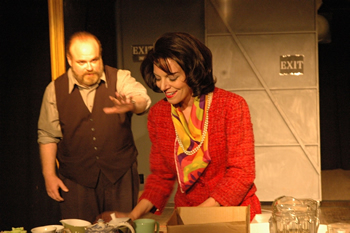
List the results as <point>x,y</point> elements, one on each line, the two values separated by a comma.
<point>229,178</point>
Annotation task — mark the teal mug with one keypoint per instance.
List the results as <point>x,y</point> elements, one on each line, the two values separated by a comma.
<point>146,225</point>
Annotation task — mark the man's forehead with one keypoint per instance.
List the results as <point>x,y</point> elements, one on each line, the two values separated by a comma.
<point>87,40</point>
<point>78,46</point>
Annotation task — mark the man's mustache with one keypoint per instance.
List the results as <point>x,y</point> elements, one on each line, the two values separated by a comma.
<point>88,73</point>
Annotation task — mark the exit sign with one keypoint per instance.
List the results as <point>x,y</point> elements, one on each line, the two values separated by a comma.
<point>139,52</point>
<point>292,64</point>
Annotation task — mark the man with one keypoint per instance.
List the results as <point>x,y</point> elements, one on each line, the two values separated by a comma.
<point>88,131</point>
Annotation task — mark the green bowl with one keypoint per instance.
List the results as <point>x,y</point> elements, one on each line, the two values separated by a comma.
<point>75,225</point>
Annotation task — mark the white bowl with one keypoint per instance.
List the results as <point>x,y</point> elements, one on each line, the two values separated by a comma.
<point>59,228</point>
<point>44,229</point>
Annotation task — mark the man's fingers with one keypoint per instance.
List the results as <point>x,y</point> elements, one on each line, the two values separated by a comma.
<point>62,186</point>
<point>55,195</point>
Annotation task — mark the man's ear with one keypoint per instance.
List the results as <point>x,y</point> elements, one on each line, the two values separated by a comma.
<point>69,59</point>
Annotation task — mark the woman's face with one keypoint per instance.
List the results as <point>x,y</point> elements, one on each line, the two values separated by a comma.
<point>174,86</point>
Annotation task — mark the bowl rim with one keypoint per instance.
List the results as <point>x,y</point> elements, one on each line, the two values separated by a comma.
<point>58,227</point>
<point>79,224</point>
<point>48,227</point>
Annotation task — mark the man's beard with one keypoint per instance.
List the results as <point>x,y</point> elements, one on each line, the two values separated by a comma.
<point>88,81</point>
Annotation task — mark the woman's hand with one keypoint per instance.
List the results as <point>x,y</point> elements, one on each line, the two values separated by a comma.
<point>210,202</point>
<point>143,207</point>
<point>106,216</point>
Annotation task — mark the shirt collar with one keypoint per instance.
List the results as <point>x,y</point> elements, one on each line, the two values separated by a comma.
<point>72,82</point>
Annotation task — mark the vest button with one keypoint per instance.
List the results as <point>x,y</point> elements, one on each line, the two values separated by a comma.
<point>93,138</point>
<point>97,157</point>
<point>92,129</point>
<point>91,119</point>
<point>95,148</point>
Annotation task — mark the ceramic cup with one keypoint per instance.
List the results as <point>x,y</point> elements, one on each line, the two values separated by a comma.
<point>146,225</point>
<point>75,225</point>
<point>44,229</point>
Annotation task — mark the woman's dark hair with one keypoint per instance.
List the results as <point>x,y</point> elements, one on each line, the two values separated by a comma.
<point>193,57</point>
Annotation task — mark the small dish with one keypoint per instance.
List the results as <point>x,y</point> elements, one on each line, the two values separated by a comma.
<point>44,229</point>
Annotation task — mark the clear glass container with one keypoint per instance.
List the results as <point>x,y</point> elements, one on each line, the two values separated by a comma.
<point>291,215</point>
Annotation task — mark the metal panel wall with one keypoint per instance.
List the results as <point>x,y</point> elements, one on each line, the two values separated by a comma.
<point>247,39</point>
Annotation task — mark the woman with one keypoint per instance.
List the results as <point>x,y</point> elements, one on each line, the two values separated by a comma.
<point>201,135</point>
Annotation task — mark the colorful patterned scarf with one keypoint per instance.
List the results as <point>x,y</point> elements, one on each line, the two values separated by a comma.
<point>189,137</point>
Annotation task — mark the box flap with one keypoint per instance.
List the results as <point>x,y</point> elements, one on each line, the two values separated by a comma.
<point>175,219</point>
<point>236,227</point>
<point>200,215</point>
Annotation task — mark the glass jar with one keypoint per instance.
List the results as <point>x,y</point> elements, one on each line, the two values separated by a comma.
<point>291,215</point>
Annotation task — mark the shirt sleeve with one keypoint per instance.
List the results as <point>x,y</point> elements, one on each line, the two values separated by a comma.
<point>49,129</point>
<point>128,86</point>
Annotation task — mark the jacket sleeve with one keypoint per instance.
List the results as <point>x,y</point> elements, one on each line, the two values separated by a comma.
<point>160,182</point>
<point>237,183</point>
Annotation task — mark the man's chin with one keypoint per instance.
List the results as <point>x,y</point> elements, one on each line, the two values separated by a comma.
<point>89,81</point>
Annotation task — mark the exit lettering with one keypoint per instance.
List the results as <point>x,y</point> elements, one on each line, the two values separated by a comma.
<point>139,52</point>
<point>285,65</point>
<point>141,49</point>
<point>292,64</point>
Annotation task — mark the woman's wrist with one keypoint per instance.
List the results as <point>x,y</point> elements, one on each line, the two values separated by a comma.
<point>132,216</point>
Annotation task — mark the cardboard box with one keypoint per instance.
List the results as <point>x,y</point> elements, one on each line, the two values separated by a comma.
<point>210,220</point>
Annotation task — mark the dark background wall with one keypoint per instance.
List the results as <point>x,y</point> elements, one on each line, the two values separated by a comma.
<point>25,72</point>
<point>334,76</point>
<point>97,17</point>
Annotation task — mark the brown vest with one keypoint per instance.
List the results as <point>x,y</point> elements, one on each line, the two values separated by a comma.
<point>93,142</point>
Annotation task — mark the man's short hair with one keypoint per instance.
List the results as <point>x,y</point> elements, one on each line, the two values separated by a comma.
<point>83,35</point>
